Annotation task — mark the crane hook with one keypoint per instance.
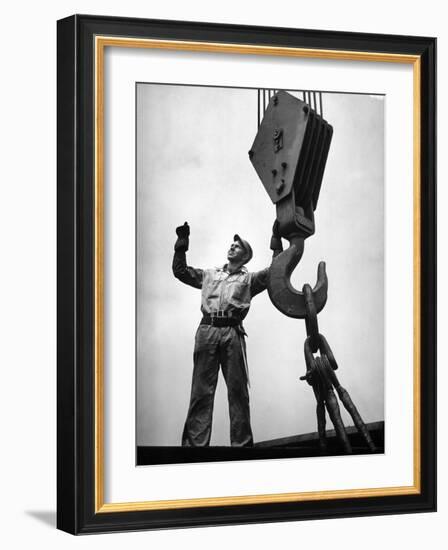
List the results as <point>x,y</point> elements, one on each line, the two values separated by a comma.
<point>283,295</point>
<point>289,154</point>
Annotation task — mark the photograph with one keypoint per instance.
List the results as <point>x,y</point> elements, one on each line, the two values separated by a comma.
<point>246,274</point>
<point>259,273</point>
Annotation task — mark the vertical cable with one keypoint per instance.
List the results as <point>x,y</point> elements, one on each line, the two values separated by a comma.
<point>312,98</point>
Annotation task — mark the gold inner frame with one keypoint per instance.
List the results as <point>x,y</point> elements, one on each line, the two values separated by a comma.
<point>101,42</point>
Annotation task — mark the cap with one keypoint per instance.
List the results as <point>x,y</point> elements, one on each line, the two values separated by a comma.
<point>246,247</point>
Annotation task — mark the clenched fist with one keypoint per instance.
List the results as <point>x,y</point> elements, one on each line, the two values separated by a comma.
<point>183,233</point>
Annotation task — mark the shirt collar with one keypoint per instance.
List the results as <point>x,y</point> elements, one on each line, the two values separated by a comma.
<point>242,269</point>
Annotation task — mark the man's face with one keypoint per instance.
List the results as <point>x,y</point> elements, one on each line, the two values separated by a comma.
<point>236,253</point>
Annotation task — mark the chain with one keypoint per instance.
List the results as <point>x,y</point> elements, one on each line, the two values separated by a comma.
<point>315,341</point>
<point>321,376</point>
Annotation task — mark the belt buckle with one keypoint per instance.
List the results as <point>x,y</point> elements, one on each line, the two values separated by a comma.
<point>217,316</point>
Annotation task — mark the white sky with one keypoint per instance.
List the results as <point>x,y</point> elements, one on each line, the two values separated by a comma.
<point>192,165</point>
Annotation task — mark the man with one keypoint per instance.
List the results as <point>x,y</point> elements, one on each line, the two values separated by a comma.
<point>226,295</point>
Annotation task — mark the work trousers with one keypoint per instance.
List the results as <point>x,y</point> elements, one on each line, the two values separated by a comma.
<point>215,347</point>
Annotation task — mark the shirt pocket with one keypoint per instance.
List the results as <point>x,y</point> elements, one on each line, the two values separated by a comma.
<point>238,292</point>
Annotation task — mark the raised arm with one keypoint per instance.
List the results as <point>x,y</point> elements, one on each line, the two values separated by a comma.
<point>183,272</point>
<point>259,280</point>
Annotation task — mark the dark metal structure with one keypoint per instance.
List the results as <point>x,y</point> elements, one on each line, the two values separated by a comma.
<point>309,443</point>
<point>289,155</point>
<point>321,376</point>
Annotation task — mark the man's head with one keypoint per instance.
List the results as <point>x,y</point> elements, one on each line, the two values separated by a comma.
<point>240,251</point>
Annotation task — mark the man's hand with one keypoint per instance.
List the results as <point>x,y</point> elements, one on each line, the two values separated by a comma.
<point>183,233</point>
<point>276,240</point>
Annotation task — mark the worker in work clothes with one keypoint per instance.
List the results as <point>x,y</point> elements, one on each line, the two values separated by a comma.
<point>226,295</point>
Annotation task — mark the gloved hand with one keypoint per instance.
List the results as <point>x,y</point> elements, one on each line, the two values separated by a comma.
<point>183,233</point>
<point>276,240</point>
<point>309,376</point>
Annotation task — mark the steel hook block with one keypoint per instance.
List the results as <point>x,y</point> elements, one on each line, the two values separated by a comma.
<point>289,154</point>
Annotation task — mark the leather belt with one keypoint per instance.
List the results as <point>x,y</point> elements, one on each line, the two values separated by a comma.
<point>220,321</point>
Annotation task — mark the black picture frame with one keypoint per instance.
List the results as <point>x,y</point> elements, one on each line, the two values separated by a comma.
<point>80,508</point>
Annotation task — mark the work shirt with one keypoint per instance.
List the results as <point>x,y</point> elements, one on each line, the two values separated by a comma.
<point>228,293</point>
